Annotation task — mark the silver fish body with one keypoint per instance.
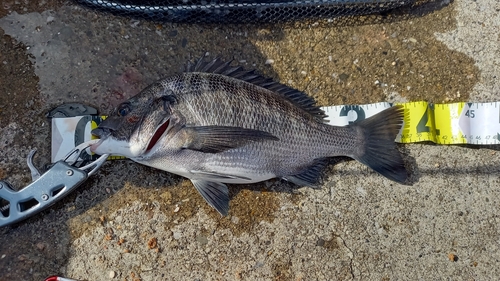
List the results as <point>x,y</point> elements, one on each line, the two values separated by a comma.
<point>218,124</point>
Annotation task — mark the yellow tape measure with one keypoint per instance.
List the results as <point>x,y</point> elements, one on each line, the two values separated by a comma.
<point>454,123</point>
<point>436,123</point>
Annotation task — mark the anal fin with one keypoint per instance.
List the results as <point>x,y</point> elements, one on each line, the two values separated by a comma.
<point>215,193</point>
<point>309,176</point>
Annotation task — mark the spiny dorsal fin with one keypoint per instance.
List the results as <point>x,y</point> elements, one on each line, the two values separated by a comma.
<point>218,66</point>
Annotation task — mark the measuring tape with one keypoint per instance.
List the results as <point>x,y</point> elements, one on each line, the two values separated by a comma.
<point>453,123</point>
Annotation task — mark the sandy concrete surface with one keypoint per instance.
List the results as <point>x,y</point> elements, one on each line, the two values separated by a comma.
<point>130,222</point>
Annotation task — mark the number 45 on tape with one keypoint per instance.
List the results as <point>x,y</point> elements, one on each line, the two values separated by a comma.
<point>454,123</point>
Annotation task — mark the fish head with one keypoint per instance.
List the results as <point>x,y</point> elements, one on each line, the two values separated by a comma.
<point>136,125</point>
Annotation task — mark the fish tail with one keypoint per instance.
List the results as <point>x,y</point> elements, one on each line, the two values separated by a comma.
<point>377,148</point>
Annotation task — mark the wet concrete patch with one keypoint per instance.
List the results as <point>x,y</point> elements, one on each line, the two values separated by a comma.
<point>250,206</point>
<point>21,90</point>
<point>28,6</point>
<point>398,61</point>
<point>111,59</point>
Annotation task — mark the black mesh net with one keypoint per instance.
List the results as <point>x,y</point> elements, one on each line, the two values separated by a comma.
<point>250,11</point>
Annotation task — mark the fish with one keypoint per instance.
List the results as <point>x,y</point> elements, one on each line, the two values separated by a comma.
<point>219,124</point>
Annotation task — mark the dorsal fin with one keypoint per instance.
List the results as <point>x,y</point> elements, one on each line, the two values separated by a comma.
<point>218,66</point>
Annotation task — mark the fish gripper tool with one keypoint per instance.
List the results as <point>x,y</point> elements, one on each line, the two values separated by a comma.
<point>59,180</point>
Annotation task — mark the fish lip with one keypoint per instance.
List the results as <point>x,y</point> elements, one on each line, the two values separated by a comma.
<point>101,132</point>
<point>94,146</point>
<point>106,127</point>
<point>112,123</point>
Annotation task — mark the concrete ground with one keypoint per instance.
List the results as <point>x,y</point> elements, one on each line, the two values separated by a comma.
<point>130,222</point>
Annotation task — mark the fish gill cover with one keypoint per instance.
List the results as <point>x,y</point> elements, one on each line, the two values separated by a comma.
<point>254,11</point>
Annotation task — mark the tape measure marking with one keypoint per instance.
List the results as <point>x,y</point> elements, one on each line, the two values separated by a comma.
<point>454,123</point>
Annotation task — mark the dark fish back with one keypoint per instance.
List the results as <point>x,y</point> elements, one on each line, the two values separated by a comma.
<point>298,98</point>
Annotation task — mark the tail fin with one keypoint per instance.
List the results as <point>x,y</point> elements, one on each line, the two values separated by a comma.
<point>378,149</point>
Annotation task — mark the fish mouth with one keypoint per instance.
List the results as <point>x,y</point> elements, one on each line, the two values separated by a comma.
<point>102,134</point>
<point>157,135</point>
<point>104,130</point>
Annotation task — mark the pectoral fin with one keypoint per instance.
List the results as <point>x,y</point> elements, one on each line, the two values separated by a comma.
<point>215,139</point>
<point>215,193</point>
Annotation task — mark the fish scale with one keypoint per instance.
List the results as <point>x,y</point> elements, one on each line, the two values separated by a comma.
<point>214,96</point>
<point>218,124</point>
<point>280,124</point>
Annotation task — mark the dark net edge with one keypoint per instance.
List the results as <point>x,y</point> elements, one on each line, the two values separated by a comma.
<point>245,12</point>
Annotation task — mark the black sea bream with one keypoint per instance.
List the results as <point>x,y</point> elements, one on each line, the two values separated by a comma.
<point>217,124</point>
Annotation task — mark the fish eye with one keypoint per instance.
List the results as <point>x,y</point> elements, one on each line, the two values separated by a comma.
<point>123,109</point>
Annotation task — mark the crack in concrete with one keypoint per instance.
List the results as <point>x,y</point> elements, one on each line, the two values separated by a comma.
<point>351,256</point>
